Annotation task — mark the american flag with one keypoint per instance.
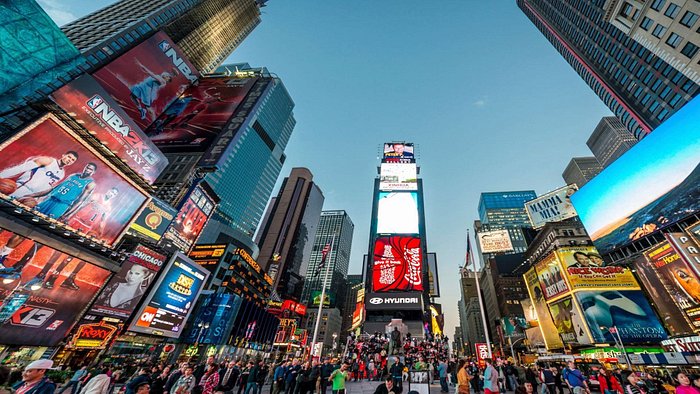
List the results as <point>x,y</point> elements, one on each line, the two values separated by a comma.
<point>322,264</point>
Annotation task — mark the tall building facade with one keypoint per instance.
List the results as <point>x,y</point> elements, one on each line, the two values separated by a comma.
<point>207,30</point>
<point>580,170</point>
<point>638,86</point>
<point>287,238</point>
<point>610,140</point>
<point>334,228</point>
<point>505,211</point>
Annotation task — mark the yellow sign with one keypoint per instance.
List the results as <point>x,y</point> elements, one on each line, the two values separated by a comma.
<point>546,324</point>
<point>584,270</point>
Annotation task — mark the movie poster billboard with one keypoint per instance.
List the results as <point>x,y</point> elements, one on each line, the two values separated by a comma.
<point>199,114</point>
<point>653,185</point>
<point>568,321</point>
<point>171,299</point>
<point>88,103</point>
<point>397,213</point>
<point>153,220</point>
<point>398,176</point>
<point>124,291</point>
<point>147,79</point>
<point>627,310</point>
<point>58,287</point>
<point>551,277</point>
<point>398,152</point>
<point>191,219</point>
<point>585,270</point>
<point>49,171</point>
<point>397,264</point>
<point>494,241</point>
<point>689,251</point>
<point>554,206</point>
<point>544,319</point>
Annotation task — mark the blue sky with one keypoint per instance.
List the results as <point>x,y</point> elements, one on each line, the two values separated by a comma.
<point>489,103</point>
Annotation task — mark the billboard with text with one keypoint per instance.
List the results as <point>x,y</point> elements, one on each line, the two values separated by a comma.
<point>585,270</point>
<point>153,220</point>
<point>544,319</point>
<point>494,241</point>
<point>554,206</point>
<point>551,277</point>
<point>191,219</point>
<point>397,264</point>
<point>398,152</point>
<point>568,321</point>
<point>398,176</point>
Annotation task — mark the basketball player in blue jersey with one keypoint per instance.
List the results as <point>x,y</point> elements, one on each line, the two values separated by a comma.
<point>38,174</point>
<point>144,93</point>
<point>70,193</point>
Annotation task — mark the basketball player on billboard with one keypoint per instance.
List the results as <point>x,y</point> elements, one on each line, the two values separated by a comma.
<point>91,217</point>
<point>35,175</point>
<point>69,194</point>
<point>144,93</point>
<point>47,276</point>
<point>177,108</point>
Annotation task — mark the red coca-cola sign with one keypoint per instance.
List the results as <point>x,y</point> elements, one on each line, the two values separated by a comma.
<point>397,264</point>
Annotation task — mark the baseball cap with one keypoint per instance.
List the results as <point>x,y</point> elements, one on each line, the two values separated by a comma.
<point>39,364</point>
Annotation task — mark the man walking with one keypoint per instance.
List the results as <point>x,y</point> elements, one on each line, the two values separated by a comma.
<point>574,378</point>
<point>74,382</point>
<point>442,371</point>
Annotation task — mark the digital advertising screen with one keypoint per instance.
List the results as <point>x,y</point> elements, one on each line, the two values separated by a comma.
<point>328,299</point>
<point>398,176</point>
<point>568,321</point>
<point>171,299</point>
<point>217,313</point>
<point>627,310</point>
<point>199,114</point>
<point>397,213</point>
<point>57,286</point>
<point>398,152</point>
<point>153,220</point>
<point>654,184</point>
<point>585,270</point>
<point>544,319</point>
<point>147,79</point>
<point>87,102</point>
<point>551,277</point>
<point>50,172</point>
<point>494,241</point>
<point>433,277</point>
<point>191,219</point>
<point>397,264</point>
<point>554,206</point>
<point>123,292</point>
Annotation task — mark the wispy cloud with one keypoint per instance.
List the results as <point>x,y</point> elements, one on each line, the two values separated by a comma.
<point>58,11</point>
<point>481,102</point>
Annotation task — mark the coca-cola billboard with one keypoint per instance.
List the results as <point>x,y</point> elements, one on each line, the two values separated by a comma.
<point>397,264</point>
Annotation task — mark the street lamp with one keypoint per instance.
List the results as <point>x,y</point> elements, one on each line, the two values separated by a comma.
<point>618,341</point>
<point>512,351</point>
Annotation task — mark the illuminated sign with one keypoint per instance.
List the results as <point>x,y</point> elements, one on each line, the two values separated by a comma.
<point>494,241</point>
<point>398,152</point>
<point>93,336</point>
<point>153,220</point>
<point>554,206</point>
<point>398,264</point>
<point>397,213</point>
<point>398,176</point>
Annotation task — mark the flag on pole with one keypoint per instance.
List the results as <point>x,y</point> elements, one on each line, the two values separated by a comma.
<point>469,250</point>
<point>322,264</point>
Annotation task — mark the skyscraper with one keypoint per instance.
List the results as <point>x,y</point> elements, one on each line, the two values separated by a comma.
<point>336,228</point>
<point>206,30</point>
<point>505,211</point>
<point>640,88</point>
<point>287,237</point>
<point>610,140</point>
<point>581,170</point>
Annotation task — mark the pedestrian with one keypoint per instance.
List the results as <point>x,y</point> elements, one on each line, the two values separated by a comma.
<point>263,371</point>
<point>511,376</point>
<point>387,387</point>
<point>173,378</point>
<point>338,378</point>
<point>252,382</point>
<point>558,383</point>
<point>99,384</point>
<point>326,371</point>
<point>229,376</point>
<point>278,377</point>
<point>490,378</point>
<point>442,371</point>
<point>608,383</point>
<point>74,382</point>
<point>548,381</point>
<point>143,388</point>
<point>158,382</point>
<point>210,379</point>
<point>630,382</point>
<point>186,382</point>
<point>577,383</point>
<point>463,378</point>
<point>34,380</point>
<point>290,377</point>
<point>684,384</point>
<point>142,377</point>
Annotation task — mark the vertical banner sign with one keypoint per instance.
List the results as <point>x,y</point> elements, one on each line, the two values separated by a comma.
<point>191,219</point>
<point>552,281</point>
<point>549,330</point>
<point>482,353</point>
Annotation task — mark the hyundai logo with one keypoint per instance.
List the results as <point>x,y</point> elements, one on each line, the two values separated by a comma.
<point>375,300</point>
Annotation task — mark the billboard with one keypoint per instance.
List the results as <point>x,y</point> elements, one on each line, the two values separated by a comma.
<point>544,319</point>
<point>397,264</point>
<point>433,280</point>
<point>494,241</point>
<point>554,206</point>
<point>482,353</point>
<point>654,184</point>
<point>208,255</point>
<point>567,319</point>
<point>171,299</point>
<point>394,301</point>
<point>214,319</point>
<point>551,277</point>
<point>398,176</point>
<point>397,213</point>
<point>328,299</point>
<point>124,291</point>
<point>148,78</point>
<point>585,270</point>
<point>153,220</point>
<point>48,170</point>
<point>627,310</point>
<point>398,152</point>
<point>687,248</point>
<point>88,103</point>
<point>191,219</point>
<point>514,326</point>
<point>199,114</point>
<point>58,287</point>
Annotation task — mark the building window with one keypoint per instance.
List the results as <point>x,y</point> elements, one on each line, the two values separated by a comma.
<point>689,50</point>
<point>646,23</point>
<point>672,10</point>
<point>657,4</point>
<point>673,40</point>
<point>689,19</point>
<point>626,10</point>
<point>659,30</point>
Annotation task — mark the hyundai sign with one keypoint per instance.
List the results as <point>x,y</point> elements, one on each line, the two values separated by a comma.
<point>394,301</point>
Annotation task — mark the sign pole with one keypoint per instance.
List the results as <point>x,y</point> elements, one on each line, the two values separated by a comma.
<point>320,304</point>
<point>481,301</point>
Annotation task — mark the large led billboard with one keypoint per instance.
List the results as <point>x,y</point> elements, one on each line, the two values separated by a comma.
<point>627,310</point>
<point>551,277</point>
<point>554,206</point>
<point>397,264</point>
<point>398,152</point>
<point>568,321</point>
<point>50,171</point>
<point>87,102</point>
<point>199,114</point>
<point>147,79</point>
<point>172,298</point>
<point>494,241</point>
<point>153,220</point>
<point>398,176</point>
<point>191,219</point>
<point>653,185</point>
<point>123,292</point>
<point>585,270</point>
<point>57,288</point>
<point>397,213</point>
<point>544,319</point>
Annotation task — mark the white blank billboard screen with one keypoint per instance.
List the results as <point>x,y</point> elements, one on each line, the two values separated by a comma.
<point>397,213</point>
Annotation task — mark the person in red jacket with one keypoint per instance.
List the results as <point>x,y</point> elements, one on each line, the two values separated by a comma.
<point>608,383</point>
